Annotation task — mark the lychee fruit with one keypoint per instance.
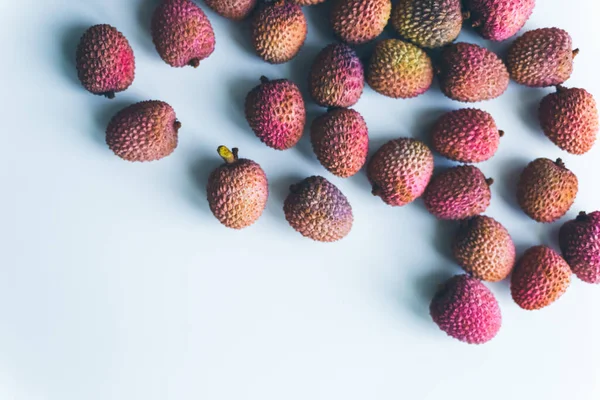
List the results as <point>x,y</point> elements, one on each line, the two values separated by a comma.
<point>569,118</point>
<point>400,171</point>
<point>540,277</point>
<point>340,139</point>
<point>499,20</point>
<point>278,31</point>
<point>484,248</point>
<point>546,189</point>
<point>337,77</point>
<point>237,191</point>
<point>467,135</point>
<point>458,193</point>
<point>471,73</point>
<point>466,310</point>
<point>580,245</point>
<point>276,113</point>
<point>105,61</point>
<point>399,70</point>
<point>182,33</point>
<point>145,131</point>
<point>318,210</point>
<point>359,21</point>
<point>236,10</point>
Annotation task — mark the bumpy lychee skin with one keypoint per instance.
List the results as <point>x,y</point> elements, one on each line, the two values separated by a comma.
<point>359,21</point>
<point>337,77</point>
<point>468,135</point>
<point>471,73</point>
<point>580,245</point>
<point>400,70</point>
<point>278,31</point>
<point>306,2</point>
<point>237,191</point>
<point>400,171</point>
<point>540,277</point>
<point>541,57</point>
<point>340,139</point>
<point>546,190</point>
<point>145,131</point>
<point>276,113</point>
<point>318,210</point>
<point>499,20</point>
<point>458,193</point>
<point>466,310</point>
<point>569,118</point>
<point>236,10</point>
<point>428,23</point>
<point>105,61</point>
<point>182,33</point>
<point>484,249</point>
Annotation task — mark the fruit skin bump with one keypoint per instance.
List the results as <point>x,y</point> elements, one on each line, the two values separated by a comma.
<point>546,190</point>
<point>579,241</point>
<point>278,31</point>
<point>340,139</point>
<point>359,21</point>
<point>144,131</point>
<point>468,135</point>
<point>471,73</point>
<point>276,113</point>
<point>540,277</point>
<point>182,33</point>
<point>317,209</point>
<point>484,249</point>
<point>428,23</point>
<point>337,77</point>
<point>541,58</point>
<point>399,70</point>
<point>306,2</point>
<point>400,171</point>
<point>569,118</point>
<point>499,20</point>
<point>236,10</point>
<point>466,310</point>
<point>105,61</point>
<point>458,193</point>
<point>237,191</point>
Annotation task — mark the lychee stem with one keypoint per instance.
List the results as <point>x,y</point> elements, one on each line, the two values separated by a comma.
<point>582,216</point>
<point>264,79</point>
<point>501,133</point>
<point>575,52</point>
<point>177,125</point>
<point>489,181</point>
<point>229,156</point>
<point>559,162</point>
<point>376,191</point>
<point>466,15</point>
<point>109,95</point>
<point>476,24</point>
<point>194,62</point>
<point>560,88</point>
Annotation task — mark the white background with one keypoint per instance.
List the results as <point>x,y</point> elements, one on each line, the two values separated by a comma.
<point>117,283</point>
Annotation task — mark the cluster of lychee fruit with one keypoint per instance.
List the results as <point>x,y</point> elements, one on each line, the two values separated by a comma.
<point>402,169</point>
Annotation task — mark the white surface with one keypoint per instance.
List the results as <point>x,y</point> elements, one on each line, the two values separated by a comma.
<point>117,283</point>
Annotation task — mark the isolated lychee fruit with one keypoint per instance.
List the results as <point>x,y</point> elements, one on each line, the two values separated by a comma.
<point>580,245</point>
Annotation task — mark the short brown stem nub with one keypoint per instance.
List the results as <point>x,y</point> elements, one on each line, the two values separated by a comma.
<point>177,125</point>
<point>489,181</point>
<point>194,62</point>
<point>466,15</point>
<point>559,162</point>
<point>229,156</point>
<point>476,24</point>
<point>501,133</point>
<point>109,95</point>
<point>575,52</point>
<point>376,191</point>
<point>264,79</point>
<point>582,216</point>
<point>560,88</point>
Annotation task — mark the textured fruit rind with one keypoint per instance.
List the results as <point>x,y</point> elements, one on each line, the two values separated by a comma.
<point>400,171</point>
<point>541,57</point>
<point>580,245</point>
<point>428,23</point>
<point>105,61</point>
<point>145,131</point>
<point>400,70</point>
<point>306,2</point>
<point>471,73</point>
<point>499,20</point>
<point>540,277</point>
<point>182,33</point>
<point>317,209</point>
<point>275,111</point>
<point>359,21</point>
<point>278,31</point>
<point>546,190</point>
<point>569,118</point>
<point>236,10</point>
<point>468,135</point>
<point>237,193</point>
<point>484,249</point>
<point>458,193</point>
<point>466,310</point>
<point>337,77</point>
